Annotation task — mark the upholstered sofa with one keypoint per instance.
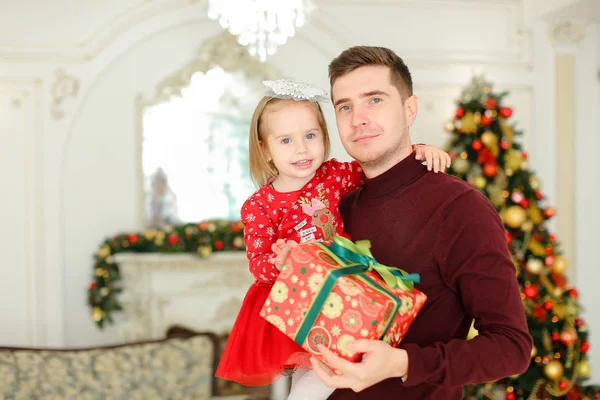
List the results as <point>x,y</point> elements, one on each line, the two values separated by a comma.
<point>181,366</point>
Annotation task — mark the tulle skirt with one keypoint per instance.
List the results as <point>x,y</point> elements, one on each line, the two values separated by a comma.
<point>257,353</point>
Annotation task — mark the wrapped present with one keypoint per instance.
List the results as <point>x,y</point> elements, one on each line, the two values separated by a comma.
<point>333,293</point>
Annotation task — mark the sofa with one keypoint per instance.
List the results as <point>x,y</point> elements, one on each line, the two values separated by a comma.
<point>180,366</point>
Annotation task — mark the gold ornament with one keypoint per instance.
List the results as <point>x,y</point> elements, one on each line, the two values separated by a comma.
<point>535,215</point>
<point>533,351</point>
<point>507,131</point>
<point>104,251</point>
<point>99,271</point>
<point>460,165</point>
<point>479,182</point>
<point>558,292</point>
<point>527,226</point>
<point>104,291</point>
<point>212,227</point>
<point>560,264</point>
<point>472,331</point>
<point>513,160</point>
<point>490,140</point>
<point>559,310</point>
<point>534,183</point>
<point>554,370</point>
<point>514,216</point>
<point>468,122</point>
<point>238,242</point>
<point>204,251</point>
<point>449,126</point>
<point>495,195</point>
<point>150,234</point>
<point>535,266</point>
<point>584,369</point>
<point>97,314</point>
<point>536,248</point>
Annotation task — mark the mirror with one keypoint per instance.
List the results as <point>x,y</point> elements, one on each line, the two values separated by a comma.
<point>194,136</point>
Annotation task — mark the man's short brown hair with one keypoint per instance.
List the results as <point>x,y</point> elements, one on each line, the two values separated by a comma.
<point>360,56</point>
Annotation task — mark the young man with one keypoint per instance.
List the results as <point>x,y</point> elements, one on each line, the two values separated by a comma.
<point>432,224</point>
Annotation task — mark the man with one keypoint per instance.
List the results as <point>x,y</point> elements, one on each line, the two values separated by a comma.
<point>432,224</point>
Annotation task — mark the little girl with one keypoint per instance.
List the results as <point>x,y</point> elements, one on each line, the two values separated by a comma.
<point>298,200</point>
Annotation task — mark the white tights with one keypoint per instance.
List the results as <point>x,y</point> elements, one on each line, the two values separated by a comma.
<point>306,385</point>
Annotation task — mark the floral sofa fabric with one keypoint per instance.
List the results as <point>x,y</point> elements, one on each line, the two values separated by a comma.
<point>169,369</point>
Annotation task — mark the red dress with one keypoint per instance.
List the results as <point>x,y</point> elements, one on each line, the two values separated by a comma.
<point>257,352</point>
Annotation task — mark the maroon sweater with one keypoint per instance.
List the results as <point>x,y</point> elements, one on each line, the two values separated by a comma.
<point>440,227</point>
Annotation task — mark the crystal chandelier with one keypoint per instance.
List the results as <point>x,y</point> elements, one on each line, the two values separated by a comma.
<point>261,25</point>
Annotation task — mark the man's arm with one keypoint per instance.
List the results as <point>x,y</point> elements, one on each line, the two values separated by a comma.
<point>474,261</point>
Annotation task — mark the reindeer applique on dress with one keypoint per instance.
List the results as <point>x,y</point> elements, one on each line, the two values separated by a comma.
<point>317,208</point>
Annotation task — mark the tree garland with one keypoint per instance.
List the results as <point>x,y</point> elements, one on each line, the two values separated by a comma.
<point>198,238</point>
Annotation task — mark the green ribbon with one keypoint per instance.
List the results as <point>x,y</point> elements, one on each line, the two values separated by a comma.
<point>360,253</point>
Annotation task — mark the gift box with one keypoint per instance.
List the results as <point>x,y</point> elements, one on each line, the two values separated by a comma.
<point>333,293</point>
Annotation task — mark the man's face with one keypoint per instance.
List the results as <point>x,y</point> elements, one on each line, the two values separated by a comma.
<point>371,118</point>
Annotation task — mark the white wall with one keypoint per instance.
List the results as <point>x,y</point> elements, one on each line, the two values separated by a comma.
<point>73,180</point>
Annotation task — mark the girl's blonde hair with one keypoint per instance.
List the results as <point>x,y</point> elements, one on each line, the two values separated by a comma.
<point>261,169</point>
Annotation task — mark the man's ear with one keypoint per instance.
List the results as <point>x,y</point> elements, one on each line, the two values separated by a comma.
<point>411,107</point>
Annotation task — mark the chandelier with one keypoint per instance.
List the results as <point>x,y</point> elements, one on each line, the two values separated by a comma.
<point>261,25</point>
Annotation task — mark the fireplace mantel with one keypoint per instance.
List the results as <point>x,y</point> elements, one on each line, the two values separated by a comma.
<point>162,290</point>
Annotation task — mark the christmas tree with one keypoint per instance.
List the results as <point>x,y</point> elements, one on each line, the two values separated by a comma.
<point>485,153</point>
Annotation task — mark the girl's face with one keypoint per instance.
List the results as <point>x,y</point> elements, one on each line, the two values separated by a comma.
<point>294,141</point>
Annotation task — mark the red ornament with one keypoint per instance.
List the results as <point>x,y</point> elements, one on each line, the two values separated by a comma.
<point>548,305</point>
<point>537,237</point>
<point>477,145</point>
<point>459,112</point>
<point>579,322</point>
<point>133,238</point>
<point>563,385</point>
<point>506,112</point>
<point>559,280</point>
<point>504,145</point>
<point>585,347</point>
<point>490,103</point>
<point>539,195</point>
<point>524,203</point>
<point>552,237</point>
<point>485,120</point>
<point>549,260</point>
<point>573,292</point>
<point>203,226</point>
<point>172,238</point>
<point>93,286</point>
<point>555,337</point>
<point>236,227</point>
<point>549,251</point>
<point>530,291</point>
<point>549,213</point>
<point>508,238</point>
<point>511,396</point>
<point>540,314</point>
<point>568,336</point>
<point>490,170</point>
<point>219,245</point>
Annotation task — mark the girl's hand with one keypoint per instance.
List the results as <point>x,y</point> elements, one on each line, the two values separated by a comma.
<point>436,158</point>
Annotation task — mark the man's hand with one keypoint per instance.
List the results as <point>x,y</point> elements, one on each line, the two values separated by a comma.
<point>281,249</point>
<point>380,361</point>
<point>436,159</point>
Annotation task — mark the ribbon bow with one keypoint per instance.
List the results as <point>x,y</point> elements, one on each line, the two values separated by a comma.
<point>360,253</point>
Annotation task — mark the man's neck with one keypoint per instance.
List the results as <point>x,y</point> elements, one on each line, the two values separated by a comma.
<point>378,167</point>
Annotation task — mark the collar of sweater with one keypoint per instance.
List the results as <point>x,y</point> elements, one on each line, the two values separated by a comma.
<point>395,178</point>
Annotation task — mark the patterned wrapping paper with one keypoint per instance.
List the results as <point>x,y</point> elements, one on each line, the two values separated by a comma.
<point>333,293</point>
